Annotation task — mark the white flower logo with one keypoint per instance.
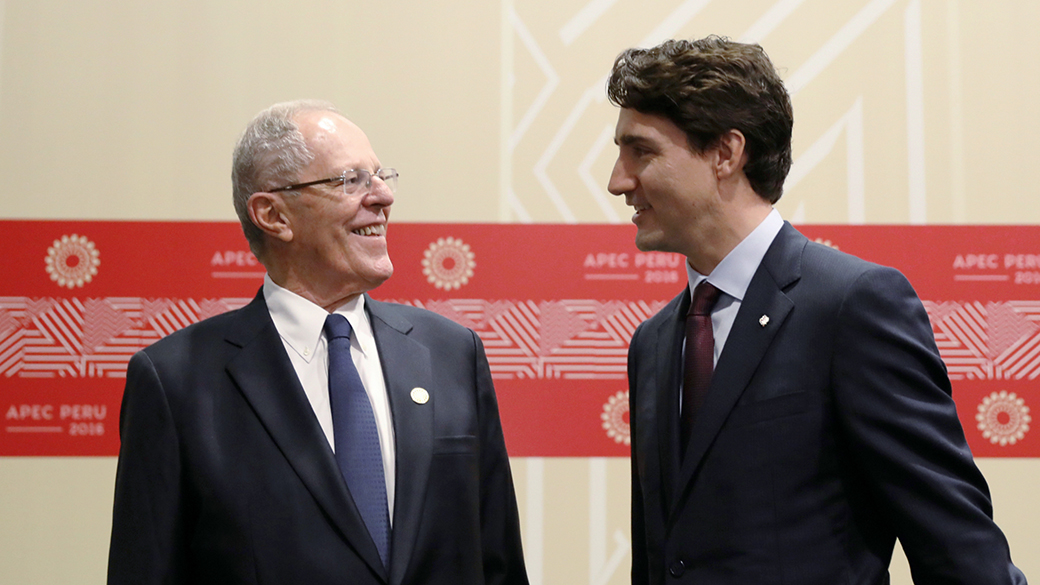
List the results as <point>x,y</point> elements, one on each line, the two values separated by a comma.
<point>615,418</point>
<point>1003,418</point>
<point>72,261</point>
<point>826,242</point>
<point>448,263</point>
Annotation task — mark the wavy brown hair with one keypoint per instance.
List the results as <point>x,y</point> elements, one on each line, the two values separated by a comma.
<point>708,87</point>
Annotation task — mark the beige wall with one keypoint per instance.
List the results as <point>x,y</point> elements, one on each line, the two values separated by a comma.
<point>908,111</point>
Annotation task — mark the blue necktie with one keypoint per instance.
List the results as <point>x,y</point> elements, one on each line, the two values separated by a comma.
<point>356,436</point>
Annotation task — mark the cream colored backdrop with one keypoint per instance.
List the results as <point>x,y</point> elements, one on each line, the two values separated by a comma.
<point>908,111</point>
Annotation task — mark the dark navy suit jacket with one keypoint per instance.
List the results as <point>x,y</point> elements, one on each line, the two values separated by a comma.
<point>225,476</point>
<point>828,432</point>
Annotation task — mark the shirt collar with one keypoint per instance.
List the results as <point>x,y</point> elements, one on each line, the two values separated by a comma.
<point>733,275</point>
<point>300,322</point>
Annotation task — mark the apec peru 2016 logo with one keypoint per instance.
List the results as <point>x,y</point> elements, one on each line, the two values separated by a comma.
<point>992,267</point>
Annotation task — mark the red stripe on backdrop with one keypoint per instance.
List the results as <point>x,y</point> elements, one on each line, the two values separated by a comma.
<point>555,306</point>
<point>585,418</point>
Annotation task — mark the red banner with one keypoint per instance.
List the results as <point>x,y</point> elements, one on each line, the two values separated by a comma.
<point>555,306</point>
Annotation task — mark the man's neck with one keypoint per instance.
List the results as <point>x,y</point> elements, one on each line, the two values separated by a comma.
<point>328,298</point>
<point>738,222</point>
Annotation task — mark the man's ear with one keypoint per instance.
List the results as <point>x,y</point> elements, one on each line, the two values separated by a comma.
<point>267,212</point>
<point>732,156</point>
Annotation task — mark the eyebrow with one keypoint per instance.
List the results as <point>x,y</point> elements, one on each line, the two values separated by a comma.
<point>630,139</point>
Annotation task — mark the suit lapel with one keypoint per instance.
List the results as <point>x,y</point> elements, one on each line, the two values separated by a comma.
<point>266,378</point>
<point>406,365</point>
<point>668,341</point>
<point>747,343</point>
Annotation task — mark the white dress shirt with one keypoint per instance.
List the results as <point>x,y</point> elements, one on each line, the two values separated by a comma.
<point>300,324</point>
<point>733,276</point>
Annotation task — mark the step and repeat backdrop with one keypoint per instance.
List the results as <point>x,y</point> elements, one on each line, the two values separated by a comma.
<point>495,112</point>
<point>555,306</point>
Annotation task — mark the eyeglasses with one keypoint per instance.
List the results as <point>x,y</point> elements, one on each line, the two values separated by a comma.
<point>354,181</point>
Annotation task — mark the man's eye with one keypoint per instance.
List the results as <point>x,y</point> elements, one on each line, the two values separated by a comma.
<point>352,179</point>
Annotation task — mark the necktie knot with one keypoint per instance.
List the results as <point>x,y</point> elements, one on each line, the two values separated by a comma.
<point>337,326</point>
<point>704,298</point>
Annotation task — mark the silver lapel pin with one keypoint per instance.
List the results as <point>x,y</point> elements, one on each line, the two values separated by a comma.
<point>763,320</point>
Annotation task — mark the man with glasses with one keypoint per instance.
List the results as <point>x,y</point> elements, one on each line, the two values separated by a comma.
<point>316,435</point>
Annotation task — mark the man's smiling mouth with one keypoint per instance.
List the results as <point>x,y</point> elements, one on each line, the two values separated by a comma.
<point>378,229</point>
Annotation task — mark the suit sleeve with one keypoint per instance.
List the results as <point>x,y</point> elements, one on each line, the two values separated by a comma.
<point>147,544</point>
<point>500,521</point>
<point>893,397</point>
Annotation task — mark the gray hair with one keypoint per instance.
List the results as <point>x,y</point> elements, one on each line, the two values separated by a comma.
<point>270,153</point>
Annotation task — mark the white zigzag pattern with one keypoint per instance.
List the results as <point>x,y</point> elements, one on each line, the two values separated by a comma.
<point>991,341</point>
<point>564,339</point>
<point>568,339</point>
<point>90,338</point>
<point>524,339</point>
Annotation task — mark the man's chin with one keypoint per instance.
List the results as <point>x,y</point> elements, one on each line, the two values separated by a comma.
<point>647,243</point>
<point>381,274</point>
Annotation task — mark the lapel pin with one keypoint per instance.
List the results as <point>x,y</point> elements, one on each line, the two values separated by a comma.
<point>763,320</point>
<point>420,396</point>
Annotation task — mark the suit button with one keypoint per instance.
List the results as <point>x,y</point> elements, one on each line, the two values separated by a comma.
<point>677,568</point>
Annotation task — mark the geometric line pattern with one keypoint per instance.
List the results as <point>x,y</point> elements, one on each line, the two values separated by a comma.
<point>524,339</point>
<point>92,337</point>
<point>988,341</point>
<point>561,339</point>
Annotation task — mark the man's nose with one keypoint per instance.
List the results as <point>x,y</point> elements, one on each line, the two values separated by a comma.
<point>621,181</point>
<point>379,193</point>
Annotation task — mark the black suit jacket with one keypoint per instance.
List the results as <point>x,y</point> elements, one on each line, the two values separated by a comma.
<point>828,432</point>
<point>225,476</point>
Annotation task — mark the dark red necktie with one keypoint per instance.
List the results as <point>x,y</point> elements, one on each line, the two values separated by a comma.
<point>698,360</point>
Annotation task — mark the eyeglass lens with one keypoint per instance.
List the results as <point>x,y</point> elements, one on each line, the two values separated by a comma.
<point>356,180</point>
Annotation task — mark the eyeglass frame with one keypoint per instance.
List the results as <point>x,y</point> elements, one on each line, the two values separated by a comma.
<point>343,177</point>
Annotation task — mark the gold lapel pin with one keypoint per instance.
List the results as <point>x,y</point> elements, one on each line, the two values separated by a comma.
<point>763,320</point>
<point>420,396</point>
